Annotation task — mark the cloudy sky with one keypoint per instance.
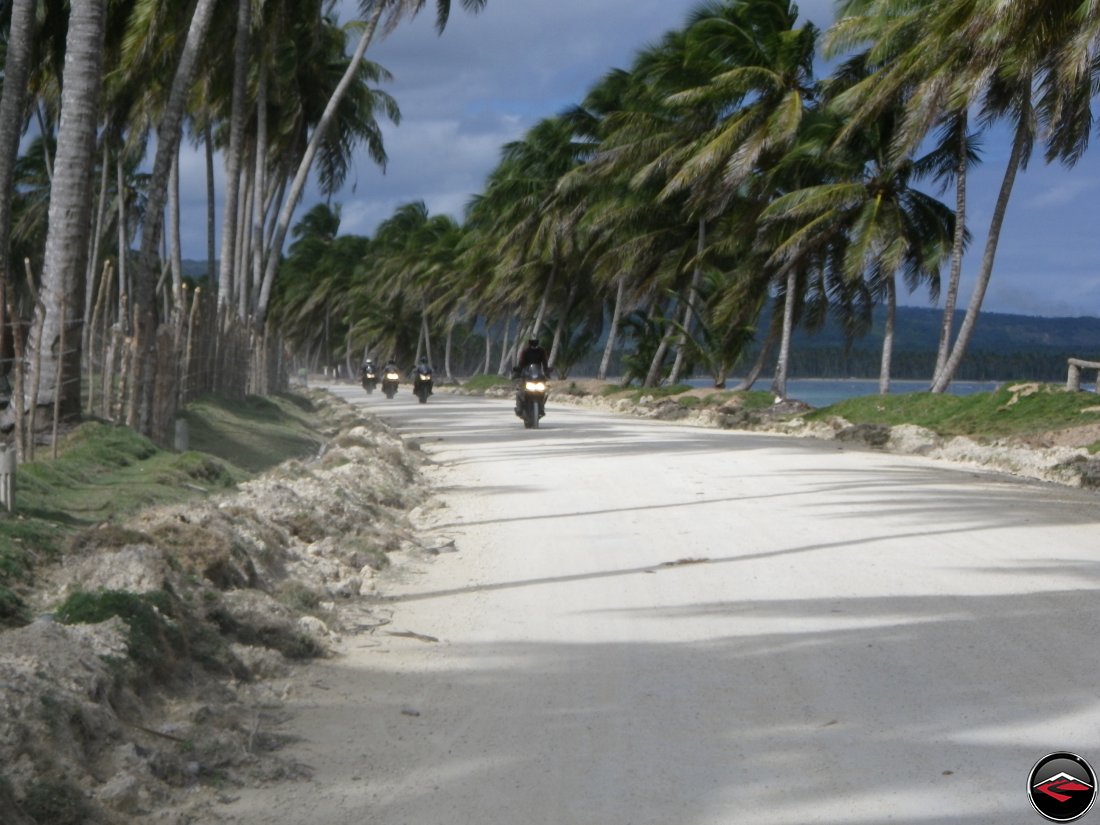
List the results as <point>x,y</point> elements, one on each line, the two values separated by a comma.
<point>490,77</point>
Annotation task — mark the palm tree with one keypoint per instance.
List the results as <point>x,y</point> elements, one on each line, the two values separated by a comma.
<point>61,288</point>
<point>373,11</point>
<point>169,134</point>
<point>950,55</point>
<point>17,63</point>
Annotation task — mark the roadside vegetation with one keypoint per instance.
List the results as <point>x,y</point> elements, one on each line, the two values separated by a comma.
<point>152,601</point>
<point>1028,411</point>
<point>103,474</point>
<point>1014,409</point>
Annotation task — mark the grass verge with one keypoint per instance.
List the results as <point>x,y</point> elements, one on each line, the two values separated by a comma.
<point>105,473</point>
<point>1014,409</point>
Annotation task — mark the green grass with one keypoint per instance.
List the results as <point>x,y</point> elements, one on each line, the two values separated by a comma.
<point>637,394</point>
<point>153,641</point>
<point>989,414</point>
<point>104,473</point>
<point>256,433</point>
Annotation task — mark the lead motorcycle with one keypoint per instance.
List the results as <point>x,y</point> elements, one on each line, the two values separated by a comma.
<point>422,383</point>
<point>369,376</point>
<point>390,379</point>
<point>531,395</point>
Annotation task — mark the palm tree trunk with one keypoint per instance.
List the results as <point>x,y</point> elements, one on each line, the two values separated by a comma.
<point>616,312</point>
<point>235,156</point>
<point>779,383</point>
<point>296,188</point>
<point>93,257</point>
<point>488,346</point>
<point>211,205</point>
<point>260,180</point>
<point>563,320</point>
<point>169,132</point>
<point>966,329</point>
<point>696,278</point>
<point>123,244</point>
<point>244,236</point>
<point>503,368</point>
<point>12,105</point>
<point>427,336</point>
<point>70,207</point>
<point>652,378</point>
<point>447,348</point>
<point>952,295</point>
<point>175,253</point>
<point>544,302</point>
<point>888,336</point>
<point>761,360</point>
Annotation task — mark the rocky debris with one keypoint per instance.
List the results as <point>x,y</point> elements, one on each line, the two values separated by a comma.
<point>107,722</point>
<point>1088,473</point>
<point>870,435</point>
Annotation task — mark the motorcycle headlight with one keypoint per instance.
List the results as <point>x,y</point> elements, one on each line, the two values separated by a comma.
<point>422,377</point>
<point>535,386</point>
<point>392,376</point>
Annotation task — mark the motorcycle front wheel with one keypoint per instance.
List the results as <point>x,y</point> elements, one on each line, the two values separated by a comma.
<point>531,414</point>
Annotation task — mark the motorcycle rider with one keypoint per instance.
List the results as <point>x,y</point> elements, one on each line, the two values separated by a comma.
<point>367,366</point>
<point>532,354</point>
<point>422,366</point>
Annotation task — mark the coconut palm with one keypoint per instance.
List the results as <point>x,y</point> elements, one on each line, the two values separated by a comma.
<point>61,295</point>
<point>1022,62</point>
<point>373,12</point>
<point>17,64</point>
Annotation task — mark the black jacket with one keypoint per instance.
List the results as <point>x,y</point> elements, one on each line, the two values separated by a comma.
<point>533,355</point>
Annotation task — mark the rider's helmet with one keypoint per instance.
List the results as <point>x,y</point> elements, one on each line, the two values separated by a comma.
<point>532,341</point>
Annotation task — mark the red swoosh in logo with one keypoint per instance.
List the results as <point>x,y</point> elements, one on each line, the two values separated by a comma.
<point>1061,788</point>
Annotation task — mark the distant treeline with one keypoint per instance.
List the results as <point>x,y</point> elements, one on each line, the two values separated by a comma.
<point>835,362</point>
<point>1006,348</point>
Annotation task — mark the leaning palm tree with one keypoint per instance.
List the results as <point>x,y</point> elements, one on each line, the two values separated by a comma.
<point>373,13</point>
<point>1021,62</point>
<point>768,87</point>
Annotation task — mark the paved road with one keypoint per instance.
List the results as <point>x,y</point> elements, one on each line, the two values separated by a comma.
<point>652,624</point>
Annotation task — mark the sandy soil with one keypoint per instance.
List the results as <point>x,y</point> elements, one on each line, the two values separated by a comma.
<point>643,623</point>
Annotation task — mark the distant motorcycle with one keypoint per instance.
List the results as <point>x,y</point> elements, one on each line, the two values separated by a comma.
<point>370,378</point>
<point>389,382</point>
<point>422,383</point>
<point>531,395</point>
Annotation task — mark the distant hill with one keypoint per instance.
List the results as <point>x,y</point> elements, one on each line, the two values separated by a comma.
<point>195,269</point>
<point>1003,347</point>
<point>918,328</point>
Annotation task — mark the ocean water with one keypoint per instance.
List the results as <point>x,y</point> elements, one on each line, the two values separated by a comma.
<point>821,392</point>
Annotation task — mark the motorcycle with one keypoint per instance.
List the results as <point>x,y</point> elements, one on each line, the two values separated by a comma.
<point>370,379</point>
<point>389,382</point>
<point>422,384</point>
<point>531,396</point>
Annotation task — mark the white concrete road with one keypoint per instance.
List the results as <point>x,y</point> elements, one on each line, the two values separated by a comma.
<point>652,624</point>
